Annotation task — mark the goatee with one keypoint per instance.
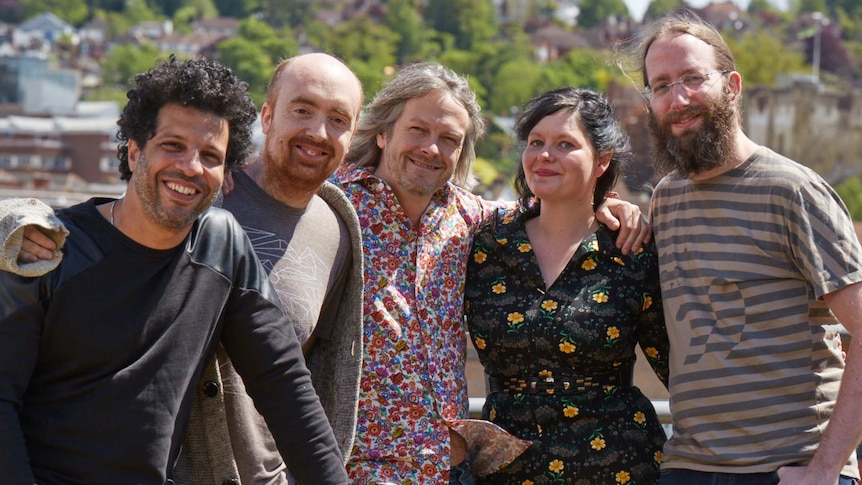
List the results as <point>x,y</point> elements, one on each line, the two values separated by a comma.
<point>695,151</point>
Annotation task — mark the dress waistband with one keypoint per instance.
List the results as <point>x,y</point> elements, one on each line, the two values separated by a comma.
<point>562,384</point>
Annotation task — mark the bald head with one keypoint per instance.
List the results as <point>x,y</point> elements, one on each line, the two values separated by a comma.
<point>315,67</point>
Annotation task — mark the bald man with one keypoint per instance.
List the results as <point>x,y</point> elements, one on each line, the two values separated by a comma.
<point>306,234</point>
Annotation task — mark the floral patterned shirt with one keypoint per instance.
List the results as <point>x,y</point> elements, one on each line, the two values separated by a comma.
<point>413,384</point>
<point>587,323</point>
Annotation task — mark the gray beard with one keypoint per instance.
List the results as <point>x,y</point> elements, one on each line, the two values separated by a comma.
<point>698,151</point>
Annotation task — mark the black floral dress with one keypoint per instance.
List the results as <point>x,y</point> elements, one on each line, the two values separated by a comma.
<point>586,324</point>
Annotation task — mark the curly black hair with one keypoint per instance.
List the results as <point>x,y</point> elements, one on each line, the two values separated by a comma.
<point>201,84</point>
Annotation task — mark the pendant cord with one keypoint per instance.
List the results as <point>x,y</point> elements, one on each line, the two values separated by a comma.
<point>114,203</point>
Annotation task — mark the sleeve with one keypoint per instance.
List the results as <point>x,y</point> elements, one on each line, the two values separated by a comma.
<point>266,353</point>
<point>822,238</point>
<point>652,333</point>
<point>21,317</point>
<point>15,216</point>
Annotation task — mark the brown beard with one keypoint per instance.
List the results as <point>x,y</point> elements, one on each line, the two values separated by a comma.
<point>694,151</point>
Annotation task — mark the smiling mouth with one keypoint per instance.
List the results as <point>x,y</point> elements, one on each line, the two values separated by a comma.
<point>422,164</point>
<point>181,188</point>
<point>311,152</point>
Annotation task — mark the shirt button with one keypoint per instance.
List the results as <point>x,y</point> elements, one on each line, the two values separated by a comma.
<point>211,389</point>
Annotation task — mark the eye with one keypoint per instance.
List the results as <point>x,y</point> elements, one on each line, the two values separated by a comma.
<point>660,89</point>
<point>172,146</point>
<point>567,145</point>
<point>693,80</point>
<point>339,121</point>
<point>536,144</point>
<point>452,140</point>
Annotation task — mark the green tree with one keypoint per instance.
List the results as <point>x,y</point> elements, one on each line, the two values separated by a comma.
<point>469,21</point>
<point>658,7</point>
<point>586,68</point>
<point>124,61</point>
<point>74,12</point>
<point>851,193</point>
<point>368,47</point>
<point>760,57</point>
<point>249,62</point>
<point>276,45</point>
<point>515,85</point>
<point>402,17</point>
<point>594,12</point>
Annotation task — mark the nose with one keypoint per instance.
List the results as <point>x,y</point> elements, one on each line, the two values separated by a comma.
<point>678,96</point>
<point>192,165</point>
<point>316,128</point>
<point>432,148</point>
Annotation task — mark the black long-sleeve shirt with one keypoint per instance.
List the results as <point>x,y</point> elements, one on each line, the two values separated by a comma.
<point>98,358</point>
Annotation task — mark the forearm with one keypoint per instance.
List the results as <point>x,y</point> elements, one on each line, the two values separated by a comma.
<point>845,426</point>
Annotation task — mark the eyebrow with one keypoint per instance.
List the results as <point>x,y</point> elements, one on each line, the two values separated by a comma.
<point>340,108</point>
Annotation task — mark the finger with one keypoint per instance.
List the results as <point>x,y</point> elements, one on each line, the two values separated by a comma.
<point>35,235</point>
<point>32,251</point>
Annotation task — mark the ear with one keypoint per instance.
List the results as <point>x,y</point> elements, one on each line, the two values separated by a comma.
<point>134,155</point>
<point>265,118</point>
<point>603,163</point>
<point>381,141</point>
<point>734,84</point>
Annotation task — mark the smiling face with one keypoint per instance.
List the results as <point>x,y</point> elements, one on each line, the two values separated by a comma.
<point>692,130</point>
<point>177,174</point>
<point>309,121</point>
<point>560,163</point>
<point>423,146</point>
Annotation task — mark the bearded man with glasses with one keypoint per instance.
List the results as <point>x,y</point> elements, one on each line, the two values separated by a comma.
<point>759,266</point>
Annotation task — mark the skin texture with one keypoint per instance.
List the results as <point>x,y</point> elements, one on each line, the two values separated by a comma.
<point>561,168</point>
<point>176,175</point>
<point>420,151</point>
<point>308,121</point>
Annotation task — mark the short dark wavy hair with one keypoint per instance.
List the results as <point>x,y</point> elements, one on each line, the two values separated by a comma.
<point>596,119</point>
<point>201,84</point>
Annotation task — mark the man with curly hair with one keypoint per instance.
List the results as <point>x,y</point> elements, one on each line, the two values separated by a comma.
<point>99,357</point>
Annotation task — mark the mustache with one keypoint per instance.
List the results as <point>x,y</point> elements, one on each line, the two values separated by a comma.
<point>687,112</point>
<point>198,183</point>
<point>323,146</point>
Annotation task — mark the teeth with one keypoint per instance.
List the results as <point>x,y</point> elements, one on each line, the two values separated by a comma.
<point>181,189</point>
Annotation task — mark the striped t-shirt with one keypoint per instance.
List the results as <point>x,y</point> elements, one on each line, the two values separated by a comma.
<point>745,259</point>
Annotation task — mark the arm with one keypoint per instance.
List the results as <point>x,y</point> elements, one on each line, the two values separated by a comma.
<point>31,236</point>
<point>844,431</point>
<point>20,326</point>
<point>625,216</point>
<point>652,333</point>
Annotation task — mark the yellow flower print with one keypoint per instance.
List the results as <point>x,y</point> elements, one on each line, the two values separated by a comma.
<point>600,297</point>
<point>549,305</point>
<point>480,257</point>
<point>639,250</point>
<point>589,264</point>
<point>528,482</point>
<point>567,347</point>
<point>647,302</point>
<point>492,414</point>
<point>623,477</point>
<point>593,246</point>
<point>515,318</point>
<point>525,247</point>
<point>546,373</point>
<point>651,352</point>
<point>571,411</point>
<point>480,343</point>
<point>598,443</point>
<point>658,456</point>
<point>613,333</point>
<point>508,218</point>
<point>619,261</point>
<point>556,466</point>
<point>502,241</point>
<point>499,288</point>
<point>640,418</point>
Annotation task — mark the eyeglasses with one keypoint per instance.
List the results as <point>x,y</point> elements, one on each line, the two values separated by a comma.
<point>691,82</point>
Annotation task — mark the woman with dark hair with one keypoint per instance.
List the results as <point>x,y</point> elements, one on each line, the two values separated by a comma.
<point>555,310</point>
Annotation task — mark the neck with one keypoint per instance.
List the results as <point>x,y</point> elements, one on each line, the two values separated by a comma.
<point>277,186</point>
<point>412,205</point>
<point>566,221</point>
<point>126,217</point>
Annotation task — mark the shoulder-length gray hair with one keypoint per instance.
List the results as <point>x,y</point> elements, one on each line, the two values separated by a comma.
<point>416,81</point>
